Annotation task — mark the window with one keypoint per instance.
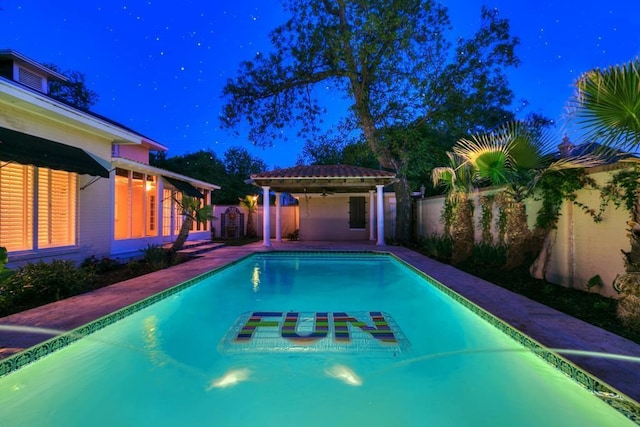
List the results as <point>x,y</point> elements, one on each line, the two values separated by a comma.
<point>135,210</point>
<point>56,208</point>
<point>37,207</point>
<point>357,212</point>
<point>167,203</point>
<point>16,206</point>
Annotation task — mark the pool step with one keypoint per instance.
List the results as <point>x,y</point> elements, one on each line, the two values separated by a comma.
<point>196,247</point>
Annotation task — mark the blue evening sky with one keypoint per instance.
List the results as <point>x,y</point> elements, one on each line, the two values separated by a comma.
<point>159,66</point>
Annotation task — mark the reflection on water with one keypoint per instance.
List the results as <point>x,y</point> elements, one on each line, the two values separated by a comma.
<point>344,374</point>
<point>231,378</point>
<point>255,278</point>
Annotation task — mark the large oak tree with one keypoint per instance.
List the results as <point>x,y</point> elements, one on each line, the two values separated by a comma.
<point>392,60</point>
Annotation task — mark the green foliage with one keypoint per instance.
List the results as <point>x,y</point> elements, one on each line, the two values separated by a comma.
<point>501,221</point>
<point>192,210</point>
<point>487,256</point>
<point>628,310</point>
<point>607,105</point>
<point>437,247</point>
<point>331,149</point>
<point>73,91</point>
<point>448,216</point>
<point>621,189</point>
<point>230,173</point>
<point>393,61</point>
<point>557,186</point>
<point>38,283</point>
<point>156,256</point>
<point>595,282</point>
<point>99,266</point>
<point>295,235</point>
<point>250,203</point>
<point>486,218</point>
<point>4,257</point>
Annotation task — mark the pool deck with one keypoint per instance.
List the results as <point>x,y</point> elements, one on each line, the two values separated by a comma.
<point>550,327</point>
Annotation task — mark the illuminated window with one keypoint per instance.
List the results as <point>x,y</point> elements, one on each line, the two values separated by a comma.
<point>16,206</point>
<point>27,193</point>
<point>167,204</point>
<point>56,208</point>
<point>135,210</point>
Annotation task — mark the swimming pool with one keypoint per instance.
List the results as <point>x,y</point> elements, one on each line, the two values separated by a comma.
<point>305,339</point>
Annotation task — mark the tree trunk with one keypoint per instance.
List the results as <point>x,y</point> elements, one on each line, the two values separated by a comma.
<point>403,210</point>
<point>183,234</point>
<point>463,232</point>
<point>251,230</point>
<point>517,235</point>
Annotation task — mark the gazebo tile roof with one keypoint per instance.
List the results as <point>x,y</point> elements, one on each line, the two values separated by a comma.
<point>323,171</point>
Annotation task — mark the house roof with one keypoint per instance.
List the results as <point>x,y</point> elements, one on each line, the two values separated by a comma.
<point>323,179</point>
<point>12,55</point>
<point>166,174</point>
<point>55,107</point>
<point>608,155</point>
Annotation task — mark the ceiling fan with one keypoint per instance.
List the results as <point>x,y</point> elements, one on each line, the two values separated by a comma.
<point>325,193</point>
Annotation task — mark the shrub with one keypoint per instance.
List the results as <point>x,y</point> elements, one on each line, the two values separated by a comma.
<point>157,257</point>
<point>101,265</point>
<point>489,256</point>
<point>437,247</point>
<point>41,283</point>
<point>628,311</point>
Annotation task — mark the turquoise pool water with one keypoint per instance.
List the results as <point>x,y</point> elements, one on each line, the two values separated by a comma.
<point>306,339</point>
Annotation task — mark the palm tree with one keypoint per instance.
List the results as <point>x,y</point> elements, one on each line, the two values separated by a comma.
<point>456,179</point>
<point>250,203</point>
<point>192,210</point>
<point>516,158</point>
<point>607,106</point>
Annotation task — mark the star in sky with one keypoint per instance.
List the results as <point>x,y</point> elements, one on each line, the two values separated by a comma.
<point>159,67</point>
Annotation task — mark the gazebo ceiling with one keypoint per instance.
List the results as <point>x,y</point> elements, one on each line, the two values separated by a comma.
<point>323,179</point>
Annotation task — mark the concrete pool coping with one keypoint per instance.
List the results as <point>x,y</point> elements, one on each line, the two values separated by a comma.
<point>550,327</point>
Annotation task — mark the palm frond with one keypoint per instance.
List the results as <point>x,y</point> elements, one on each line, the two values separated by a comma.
<point>444,175</point>
<point>583,161</point>
<point>607,104</point>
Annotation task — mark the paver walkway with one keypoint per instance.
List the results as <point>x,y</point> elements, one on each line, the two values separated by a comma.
<point>548,326</point>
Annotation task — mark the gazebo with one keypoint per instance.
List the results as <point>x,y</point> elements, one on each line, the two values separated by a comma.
<point>326,183</point>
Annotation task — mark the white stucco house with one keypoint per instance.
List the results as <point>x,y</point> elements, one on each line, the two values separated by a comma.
<point>75,184</point>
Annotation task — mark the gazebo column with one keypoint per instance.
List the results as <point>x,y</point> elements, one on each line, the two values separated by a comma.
<point>372,215</point>
<point>380,215</point>
<point>278,218</point>
<point>266,221</point>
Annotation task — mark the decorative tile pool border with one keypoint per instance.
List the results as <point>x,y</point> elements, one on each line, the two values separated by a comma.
<point>614,398</point>
<point>608,394</point>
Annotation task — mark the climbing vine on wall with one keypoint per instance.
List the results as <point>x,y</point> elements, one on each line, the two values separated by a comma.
<point>621,190</point>
<point>501,221</point>
<point>486,218</point>
<point>448,215</point>
<point>554,188</point>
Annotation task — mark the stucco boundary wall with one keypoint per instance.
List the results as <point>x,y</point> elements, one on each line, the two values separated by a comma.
<point>575,252</point>
<point>289,217</point>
